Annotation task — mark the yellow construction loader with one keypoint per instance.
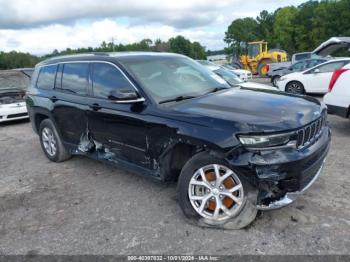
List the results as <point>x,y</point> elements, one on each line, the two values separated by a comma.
<point>258,57</point>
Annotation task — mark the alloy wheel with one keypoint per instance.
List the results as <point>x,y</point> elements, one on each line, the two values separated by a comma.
<point>216,192</point>
<point>295,88</point>
<point>49,141</point>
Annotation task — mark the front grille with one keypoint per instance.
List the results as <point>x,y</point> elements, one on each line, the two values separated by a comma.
<point>310,132</point>
<point>17,115</point>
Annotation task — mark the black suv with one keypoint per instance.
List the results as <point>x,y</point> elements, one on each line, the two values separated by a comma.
<point>232,151</point>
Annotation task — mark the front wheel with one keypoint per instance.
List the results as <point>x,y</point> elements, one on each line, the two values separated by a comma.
<point>212,194</point>
<point>295,87</point>
<point>274,80</point>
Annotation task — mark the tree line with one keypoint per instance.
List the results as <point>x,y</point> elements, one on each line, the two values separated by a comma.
<point>178,44</point>
<point>293,29</point>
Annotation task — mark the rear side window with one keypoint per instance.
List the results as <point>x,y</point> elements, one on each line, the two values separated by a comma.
<point>331,67</point>
<point>75,78</point>
<point>107,78</point>
<point>46,78</point>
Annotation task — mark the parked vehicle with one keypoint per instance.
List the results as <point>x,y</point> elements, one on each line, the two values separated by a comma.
<point>338,97</point>
<point>13,85</point>
<point>322,51</point>
<point>276,74</point>
<point>245,75</point>
<point>258,57</point>
<point>313,80</point>
<point>233,151</point>
<point>234,81</point>
<point>271,67</point>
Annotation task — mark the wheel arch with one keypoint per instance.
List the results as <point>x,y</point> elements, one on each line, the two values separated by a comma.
<point>173,159</point>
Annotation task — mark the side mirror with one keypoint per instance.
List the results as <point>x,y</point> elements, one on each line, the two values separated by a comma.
<point>124,96</point>
<point>316,71</point>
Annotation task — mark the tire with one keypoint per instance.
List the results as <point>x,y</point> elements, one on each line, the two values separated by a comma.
<point>51,142</point>
<point>274,80</point>
<point>261,66</point>
<point>242,211</point>
<point>295,87</point>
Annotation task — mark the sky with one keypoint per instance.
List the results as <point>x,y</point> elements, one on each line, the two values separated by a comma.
<point>40,26</point>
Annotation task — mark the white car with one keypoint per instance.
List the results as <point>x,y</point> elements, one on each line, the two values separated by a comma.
<point>12,92</point>
<point>12,105</point>
<point>234,81</point>
<point>243,74</point>
<point>313,80</point>
<point>338,97</point>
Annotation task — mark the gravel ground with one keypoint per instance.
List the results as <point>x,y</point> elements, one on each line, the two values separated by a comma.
<point>85,207</point>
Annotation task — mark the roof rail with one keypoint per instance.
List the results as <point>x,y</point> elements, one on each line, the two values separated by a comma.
<point>77,54</point>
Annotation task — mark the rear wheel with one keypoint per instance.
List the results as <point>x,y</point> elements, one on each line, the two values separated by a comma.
<point>212,194</point>
<point>295,87</point>
<point>51,142</point>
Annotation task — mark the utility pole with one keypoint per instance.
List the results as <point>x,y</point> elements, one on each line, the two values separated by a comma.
<point>113,44</point>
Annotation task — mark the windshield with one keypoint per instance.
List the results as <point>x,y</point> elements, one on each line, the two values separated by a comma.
<point>169,77</point>
<point>253,50</point>
<point>229,77</point>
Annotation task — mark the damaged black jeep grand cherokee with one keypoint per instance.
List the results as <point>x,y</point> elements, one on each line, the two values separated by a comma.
<point>232,151</point>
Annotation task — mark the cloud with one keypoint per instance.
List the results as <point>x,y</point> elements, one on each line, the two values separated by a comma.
<point>40,26</point>
<point>44,40</point>
<point>179,14</point>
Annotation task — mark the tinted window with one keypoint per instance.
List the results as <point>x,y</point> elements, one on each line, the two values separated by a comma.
<point>75,78</point>
<point>302,56</point>
<point>298,66</point>
<point>331,67</point>
<point>107,78</point>
<point>315,62</point>
<point>46,78</point>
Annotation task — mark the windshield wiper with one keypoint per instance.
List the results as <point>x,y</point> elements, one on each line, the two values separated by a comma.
<point>216,89</point>
<point>176,99</point>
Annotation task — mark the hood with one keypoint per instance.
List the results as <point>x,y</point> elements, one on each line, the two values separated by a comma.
<point>253,85</point>
<point>11,95</point>
<point>332,45</point>
<point>251,110</point>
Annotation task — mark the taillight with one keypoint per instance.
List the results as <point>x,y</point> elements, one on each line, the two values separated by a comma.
<point>336,74</point>
<point>267,68</point>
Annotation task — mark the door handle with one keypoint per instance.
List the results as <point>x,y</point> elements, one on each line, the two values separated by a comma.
<point>53,99</point>
<point>95,107</point>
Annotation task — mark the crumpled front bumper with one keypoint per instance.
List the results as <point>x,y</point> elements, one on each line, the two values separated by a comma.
<point>290,197</point>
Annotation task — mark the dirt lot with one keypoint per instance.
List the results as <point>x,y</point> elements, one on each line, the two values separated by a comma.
<point>84,207</point>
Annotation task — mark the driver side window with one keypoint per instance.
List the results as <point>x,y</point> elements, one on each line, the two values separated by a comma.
<point>107,78</point>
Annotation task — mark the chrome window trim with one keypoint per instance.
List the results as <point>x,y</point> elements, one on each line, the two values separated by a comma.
<point>141,99</point>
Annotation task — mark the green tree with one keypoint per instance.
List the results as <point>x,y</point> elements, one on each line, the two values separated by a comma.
<point>284,28</point>
<point>239,32</point>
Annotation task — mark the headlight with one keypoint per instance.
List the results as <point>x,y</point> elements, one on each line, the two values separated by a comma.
<point>266,140</point>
